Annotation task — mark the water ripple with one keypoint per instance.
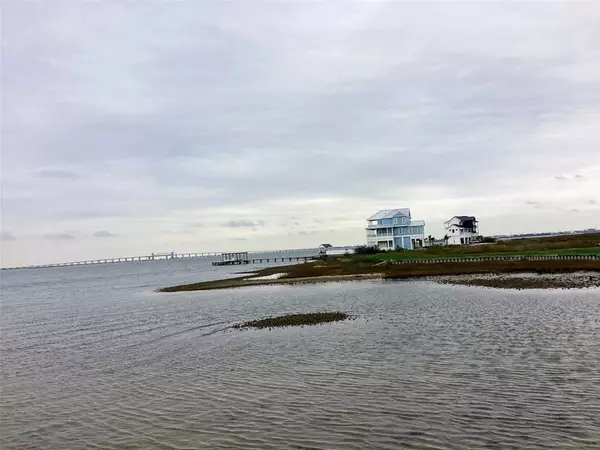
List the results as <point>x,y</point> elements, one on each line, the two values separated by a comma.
<point>426,366</point>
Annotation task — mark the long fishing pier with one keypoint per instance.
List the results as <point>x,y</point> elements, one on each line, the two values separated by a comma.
<point>173,255</point>
<point>230,259</point>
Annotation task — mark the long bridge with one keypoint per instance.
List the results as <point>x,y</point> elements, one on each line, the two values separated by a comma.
<point>153,257</point>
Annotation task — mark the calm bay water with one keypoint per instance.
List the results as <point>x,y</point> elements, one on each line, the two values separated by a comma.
<point>92,357</point>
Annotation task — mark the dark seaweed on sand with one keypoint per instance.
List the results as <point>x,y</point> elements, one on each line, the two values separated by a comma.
<point>295,320</point>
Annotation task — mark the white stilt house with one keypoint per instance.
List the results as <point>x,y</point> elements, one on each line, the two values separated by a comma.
<point>462,230</point>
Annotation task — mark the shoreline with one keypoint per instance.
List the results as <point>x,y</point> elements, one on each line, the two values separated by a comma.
<point>552,274</point>
<point>228,283</point>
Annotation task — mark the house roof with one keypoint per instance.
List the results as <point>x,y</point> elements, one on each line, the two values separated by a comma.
<point>462,219</point>
<point>390,213</point>
<point>416,223</point>
<point>326,245</point>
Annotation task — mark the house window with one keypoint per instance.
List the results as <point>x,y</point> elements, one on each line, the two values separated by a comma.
<point>395,220</point>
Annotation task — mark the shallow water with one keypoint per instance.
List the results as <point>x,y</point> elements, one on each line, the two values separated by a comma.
<point>92,357</point>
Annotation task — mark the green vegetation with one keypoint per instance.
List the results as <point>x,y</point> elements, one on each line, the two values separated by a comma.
<point>295,320</point>
<point>555,245</point>
<point>366,250</point>
<point>466,253</point>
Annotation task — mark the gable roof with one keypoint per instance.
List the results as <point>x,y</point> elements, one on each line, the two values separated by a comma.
<point>462,220</point>
<point>390,213</point>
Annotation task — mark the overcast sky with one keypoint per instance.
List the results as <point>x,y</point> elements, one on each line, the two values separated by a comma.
<point>138,127</point>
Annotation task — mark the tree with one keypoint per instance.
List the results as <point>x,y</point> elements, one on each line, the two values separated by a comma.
<point>431,239</point>
<point>446,237</point>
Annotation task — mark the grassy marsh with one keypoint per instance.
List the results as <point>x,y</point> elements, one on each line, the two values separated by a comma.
<point>347,270</point>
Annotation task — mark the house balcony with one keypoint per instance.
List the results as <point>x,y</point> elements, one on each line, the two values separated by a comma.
<point>388,236</point>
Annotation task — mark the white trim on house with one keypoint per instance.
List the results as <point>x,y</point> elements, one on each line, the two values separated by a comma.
<point>394,228</point>
<point>462,230</point>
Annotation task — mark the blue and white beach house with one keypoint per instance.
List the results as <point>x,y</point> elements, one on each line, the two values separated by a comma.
<point>391,229</point>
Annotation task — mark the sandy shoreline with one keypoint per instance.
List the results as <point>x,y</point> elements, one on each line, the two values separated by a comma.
<point>244,282</point>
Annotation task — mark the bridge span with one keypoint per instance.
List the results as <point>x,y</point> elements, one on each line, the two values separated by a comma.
<point>151,257</point>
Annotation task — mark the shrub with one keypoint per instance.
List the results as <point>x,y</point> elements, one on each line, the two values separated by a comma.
<point>367,250</point>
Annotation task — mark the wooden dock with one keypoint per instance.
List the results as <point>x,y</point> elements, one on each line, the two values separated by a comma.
<point>230,263</point>
<point>229,259</point>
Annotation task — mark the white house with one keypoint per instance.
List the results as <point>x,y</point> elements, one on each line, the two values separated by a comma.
<point>462,230</point>
<point>323,248</point>
<point>330,250</point>
<point>391,229</point>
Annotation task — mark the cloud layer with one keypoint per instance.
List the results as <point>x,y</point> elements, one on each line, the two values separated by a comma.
<point>289,124</point>
<point>103,234</point>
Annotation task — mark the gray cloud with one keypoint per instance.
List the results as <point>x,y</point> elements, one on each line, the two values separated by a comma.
<point>243,224</point>
<point>59,237</point>
<point>103,234</point>
<point>6,236</point>
<point>535,204</point>
<point>592,202</point>
<point>577,176</point>
<point>307,233</point>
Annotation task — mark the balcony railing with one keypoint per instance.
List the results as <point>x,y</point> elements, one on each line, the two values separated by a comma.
<point>389,235</point>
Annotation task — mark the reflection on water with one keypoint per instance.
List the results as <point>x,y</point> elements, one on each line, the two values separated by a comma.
<point>93,358</point>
